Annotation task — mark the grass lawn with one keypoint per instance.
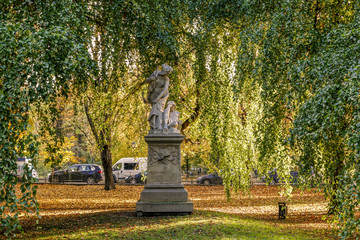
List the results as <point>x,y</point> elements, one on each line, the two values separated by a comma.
<point>89,212</point>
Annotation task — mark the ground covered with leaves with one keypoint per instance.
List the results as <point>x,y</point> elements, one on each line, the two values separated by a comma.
<point>89,212</point>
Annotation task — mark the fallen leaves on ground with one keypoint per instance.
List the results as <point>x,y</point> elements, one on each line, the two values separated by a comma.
<point>59,202</point>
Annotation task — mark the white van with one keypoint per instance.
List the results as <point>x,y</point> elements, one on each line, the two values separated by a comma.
<point>129,166</point>
<point>21,162</point>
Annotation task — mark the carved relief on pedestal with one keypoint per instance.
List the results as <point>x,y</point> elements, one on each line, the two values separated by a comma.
<point>161,154</point>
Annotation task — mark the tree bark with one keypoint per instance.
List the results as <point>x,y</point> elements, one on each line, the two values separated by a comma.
<point>337,167</point>
<point>107,164</point>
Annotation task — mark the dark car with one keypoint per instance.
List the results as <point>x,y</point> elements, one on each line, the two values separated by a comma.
<point>137,178</point>
<point>90,173</point>
<point>213,178</point>
<point>273,177</point>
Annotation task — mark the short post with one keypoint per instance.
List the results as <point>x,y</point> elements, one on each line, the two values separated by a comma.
<point>282,210</point>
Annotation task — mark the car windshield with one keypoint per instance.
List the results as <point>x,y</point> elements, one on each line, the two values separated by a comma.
<point>117,167</point>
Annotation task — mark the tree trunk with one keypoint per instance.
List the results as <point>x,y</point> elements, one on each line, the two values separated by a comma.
<point>105,150</point>
<point>107,164</point>
<point>336,169</point>
<point>334,202</point>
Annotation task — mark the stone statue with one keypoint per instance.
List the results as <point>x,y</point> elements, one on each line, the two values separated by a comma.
<point>158,93</point>
<point>163,192</point>
<point>171,117</point>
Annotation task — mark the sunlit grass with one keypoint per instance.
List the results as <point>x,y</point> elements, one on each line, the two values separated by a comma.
<point>200,225</point>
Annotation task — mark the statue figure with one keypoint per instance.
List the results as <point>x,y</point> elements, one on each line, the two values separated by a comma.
<point>158,93</point>
<point>171,117</point>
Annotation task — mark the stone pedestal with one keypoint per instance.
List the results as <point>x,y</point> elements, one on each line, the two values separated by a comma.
<point>164,193</point>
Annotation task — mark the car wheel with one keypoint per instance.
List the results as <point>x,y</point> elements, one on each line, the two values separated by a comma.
<point>133,181</point>
<point>56,179</point>
<point>90,180</point>
<point>207,182</point>
<point>274,181</point>
<point>115,180</point>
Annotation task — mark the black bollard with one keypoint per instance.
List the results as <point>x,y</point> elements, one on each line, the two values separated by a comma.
<point>282,210</point>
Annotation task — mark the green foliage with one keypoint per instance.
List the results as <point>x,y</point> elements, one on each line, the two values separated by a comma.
<point>329,121</point>
<point>306,66</point>
<point>41,50</point>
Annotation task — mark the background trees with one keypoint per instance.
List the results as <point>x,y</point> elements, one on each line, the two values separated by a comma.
<point>260,84</point>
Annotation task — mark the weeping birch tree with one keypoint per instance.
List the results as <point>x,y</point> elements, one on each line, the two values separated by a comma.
<point>303,56</point>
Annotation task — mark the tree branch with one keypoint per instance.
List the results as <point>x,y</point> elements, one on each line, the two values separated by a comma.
<point>91,123</point>
<point>194,115</point>
<point>131,92</point>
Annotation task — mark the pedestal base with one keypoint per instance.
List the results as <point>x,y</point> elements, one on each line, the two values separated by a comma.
<point>164,193</point>
<point>161,200</point>
<point>163,208</point>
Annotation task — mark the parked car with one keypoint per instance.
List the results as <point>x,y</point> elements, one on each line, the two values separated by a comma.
<point>90,173</point>
<point>213,178</point>
<point>273,177</point>
<point>137,178</point>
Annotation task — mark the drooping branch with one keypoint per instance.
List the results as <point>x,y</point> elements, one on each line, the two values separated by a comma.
<point>194,115</point>
<point>132,91</point>
<point>83,132</point>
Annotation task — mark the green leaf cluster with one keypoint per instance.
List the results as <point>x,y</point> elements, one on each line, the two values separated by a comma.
<point>42,52</point>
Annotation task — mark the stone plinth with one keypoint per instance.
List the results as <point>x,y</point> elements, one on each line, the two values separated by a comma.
<point>163,192</point>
